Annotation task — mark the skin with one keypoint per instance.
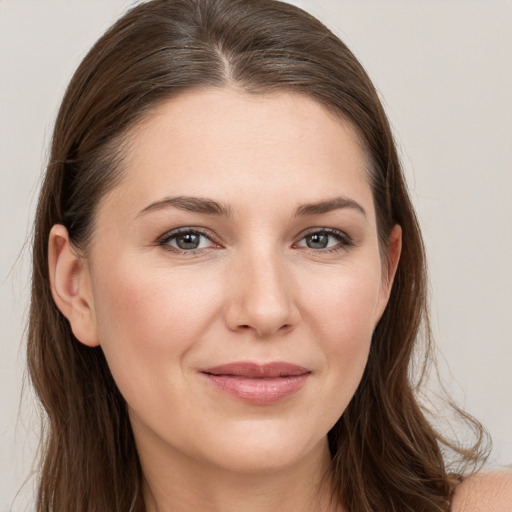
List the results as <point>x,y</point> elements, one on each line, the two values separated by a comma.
<point>490,492</point>
<point>257,289</point>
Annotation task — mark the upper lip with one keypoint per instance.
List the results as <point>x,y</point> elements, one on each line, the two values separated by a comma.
<point>252,370</point>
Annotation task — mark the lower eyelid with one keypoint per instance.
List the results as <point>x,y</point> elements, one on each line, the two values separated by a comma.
<point>341,237</point>
<point>343,240</point>
<point>165,240</point>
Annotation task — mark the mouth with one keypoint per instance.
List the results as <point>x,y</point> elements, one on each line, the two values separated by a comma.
<point>258,384</point>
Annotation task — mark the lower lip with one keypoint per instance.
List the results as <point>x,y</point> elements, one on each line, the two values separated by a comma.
<point>258,391</point>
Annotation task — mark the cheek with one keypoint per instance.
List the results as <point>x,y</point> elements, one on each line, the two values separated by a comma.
<point>343,317</point>
<point>345,307</point>
<point>149,318</point>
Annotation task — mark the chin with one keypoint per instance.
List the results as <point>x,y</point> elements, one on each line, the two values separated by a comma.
<point>263,448</point>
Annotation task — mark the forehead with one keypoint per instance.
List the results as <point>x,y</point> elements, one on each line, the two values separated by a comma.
<point>224,142</point>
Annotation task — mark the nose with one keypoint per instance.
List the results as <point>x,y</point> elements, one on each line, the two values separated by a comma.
<point>262,297</point>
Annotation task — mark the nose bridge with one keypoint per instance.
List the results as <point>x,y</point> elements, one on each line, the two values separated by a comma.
<point>263,298</point>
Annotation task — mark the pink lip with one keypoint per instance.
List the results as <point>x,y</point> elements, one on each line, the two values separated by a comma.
<point>258,384</point>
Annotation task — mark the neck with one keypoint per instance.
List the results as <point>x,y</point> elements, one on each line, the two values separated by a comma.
<point>173,482</point>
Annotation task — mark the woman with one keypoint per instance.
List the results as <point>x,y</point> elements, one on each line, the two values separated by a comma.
<point>229,278</point>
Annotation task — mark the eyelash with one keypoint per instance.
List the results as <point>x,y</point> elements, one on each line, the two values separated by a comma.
<point>172,235</point>
<point>344,241</point>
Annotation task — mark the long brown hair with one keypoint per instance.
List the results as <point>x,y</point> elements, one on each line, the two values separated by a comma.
<point>385,454</point>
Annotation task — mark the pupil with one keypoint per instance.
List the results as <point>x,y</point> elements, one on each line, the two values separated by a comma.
<point>188,241</point>
<point>318,241</point>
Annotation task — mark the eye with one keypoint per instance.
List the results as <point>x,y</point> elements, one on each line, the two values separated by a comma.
<point>186,239</point>
<point>325,239</point>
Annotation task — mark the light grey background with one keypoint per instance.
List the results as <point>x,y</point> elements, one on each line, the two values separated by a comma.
<point>443,68</point>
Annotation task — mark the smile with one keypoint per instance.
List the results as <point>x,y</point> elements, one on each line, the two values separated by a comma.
<point>258,384</point>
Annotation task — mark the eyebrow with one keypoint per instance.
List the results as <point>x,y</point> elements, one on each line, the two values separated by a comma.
<point>189,204</point>
<point>211,207</point>
<point>337,203</point>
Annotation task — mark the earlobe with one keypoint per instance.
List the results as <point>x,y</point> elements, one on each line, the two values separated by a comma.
<point>70,286</point>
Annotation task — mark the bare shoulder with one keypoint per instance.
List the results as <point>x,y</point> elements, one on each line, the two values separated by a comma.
<point>484,492</point>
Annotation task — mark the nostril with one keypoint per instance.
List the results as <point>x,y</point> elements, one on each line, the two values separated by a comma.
<point>265,318</point>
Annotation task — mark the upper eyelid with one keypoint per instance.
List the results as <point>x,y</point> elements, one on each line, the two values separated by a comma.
<point>187,229</point>
<point>214,239</point>
<point>332,231</point>
<point>165,241</point>
<point>344,241</point>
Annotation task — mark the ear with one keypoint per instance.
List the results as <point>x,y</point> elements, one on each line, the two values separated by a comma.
<point>390,264</point>
<point>71,286</point>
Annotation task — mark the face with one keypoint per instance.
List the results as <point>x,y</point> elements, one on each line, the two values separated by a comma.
<point>234,278</point>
